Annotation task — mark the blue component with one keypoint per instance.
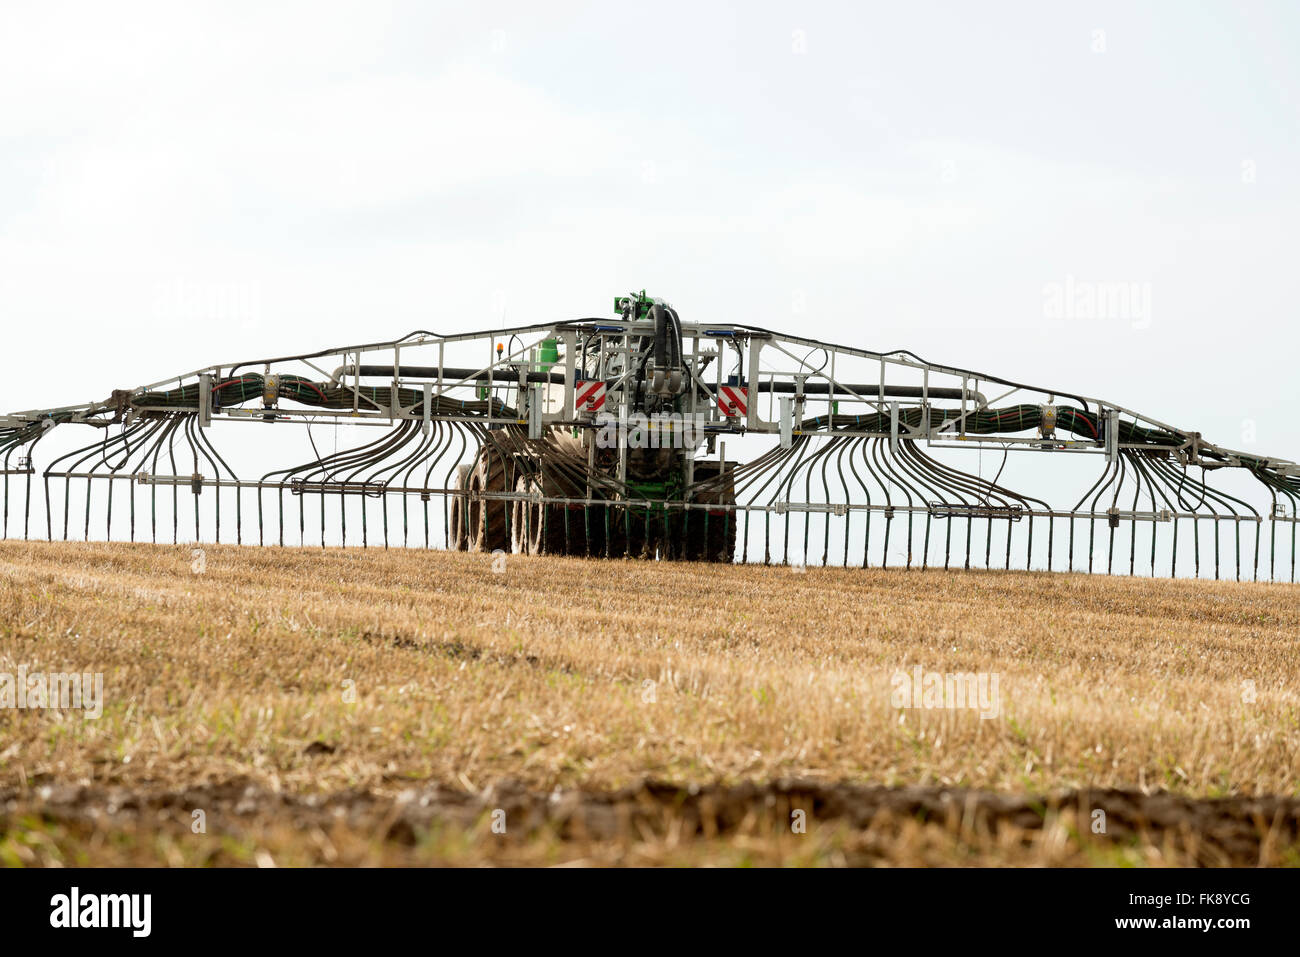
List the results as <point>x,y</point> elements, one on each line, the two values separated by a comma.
<point>607,328</point>
<point>719,332</point>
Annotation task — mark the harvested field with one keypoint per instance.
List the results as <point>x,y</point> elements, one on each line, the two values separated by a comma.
<point>367,706</point>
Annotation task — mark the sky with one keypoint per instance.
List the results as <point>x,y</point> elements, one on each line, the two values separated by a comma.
<point>190,184</point>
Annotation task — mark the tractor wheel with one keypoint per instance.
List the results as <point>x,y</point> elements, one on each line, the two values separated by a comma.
<point>539,529</point>
<point>721,536</point>
<point>709,534</point>
<point>457,525</point>
<point>489,518</point>
<point>627,529</point>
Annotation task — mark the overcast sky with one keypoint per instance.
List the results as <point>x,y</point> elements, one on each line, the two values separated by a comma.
<point>185,184</point>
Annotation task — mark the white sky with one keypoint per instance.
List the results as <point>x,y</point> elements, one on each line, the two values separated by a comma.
<point>187,184</point>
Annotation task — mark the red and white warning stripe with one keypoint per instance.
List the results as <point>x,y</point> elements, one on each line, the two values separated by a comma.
<point>733,400</point>
<point>589,396</point>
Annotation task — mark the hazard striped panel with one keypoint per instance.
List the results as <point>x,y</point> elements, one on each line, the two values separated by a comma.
<point>589,396</point>
<point>733,400</point>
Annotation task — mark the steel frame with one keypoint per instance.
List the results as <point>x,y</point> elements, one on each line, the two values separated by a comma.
<point>852,421</point>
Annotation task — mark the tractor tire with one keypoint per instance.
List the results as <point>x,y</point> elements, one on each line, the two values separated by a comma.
<point>539,529</point>
<point>489,519</point>
<point>627,530</point>
<point>457,523</point>
<point>709,534</point>
<point>720,539</point>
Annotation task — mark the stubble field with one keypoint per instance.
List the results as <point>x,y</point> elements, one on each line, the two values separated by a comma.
<point>286,706</point>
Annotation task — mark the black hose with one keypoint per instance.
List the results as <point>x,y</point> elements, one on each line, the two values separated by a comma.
<point>660,317</point>
<point>675,339</point>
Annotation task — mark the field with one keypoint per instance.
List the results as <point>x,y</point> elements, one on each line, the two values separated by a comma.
<point>285,706</point>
